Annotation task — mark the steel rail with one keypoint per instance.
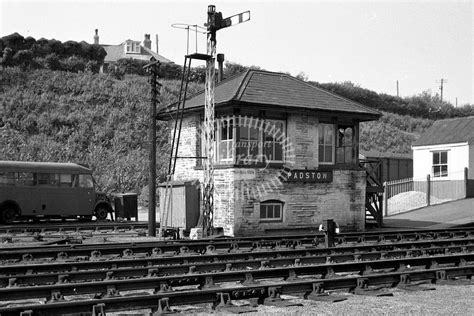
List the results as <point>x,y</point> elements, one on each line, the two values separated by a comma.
<point>71,227</point>
<point>64,238</point>
<point>208,280</point>
<point>116,250</point>
<point>219,297</point>
<point>100,271</point>
<point>127,262</point>
<point>139,226</point>
<point>388,236</point>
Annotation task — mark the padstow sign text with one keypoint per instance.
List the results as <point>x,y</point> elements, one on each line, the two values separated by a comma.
<point>309,176</point>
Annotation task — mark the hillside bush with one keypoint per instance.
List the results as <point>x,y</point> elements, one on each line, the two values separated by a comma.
<point>18,51</point>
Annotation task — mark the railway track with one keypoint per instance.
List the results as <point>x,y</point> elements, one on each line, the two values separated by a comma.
<point>204,279</point>
<point>125,276</point>
<point>310,280</point>
<point>322,254</point>
<point>41,274</point>
<point>103,251</point>
<point>61,229</point>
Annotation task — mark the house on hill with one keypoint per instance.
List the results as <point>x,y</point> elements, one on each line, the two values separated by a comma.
<point>444,151</point>
<point>129,49</point>
<point>285,154</point>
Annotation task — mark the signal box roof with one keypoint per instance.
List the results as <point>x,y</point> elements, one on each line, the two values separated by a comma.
<point>43,167</point>
<point>272,89</point>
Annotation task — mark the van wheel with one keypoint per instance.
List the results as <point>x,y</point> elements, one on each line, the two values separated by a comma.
<point>8,215</point>
<point>101,213</point>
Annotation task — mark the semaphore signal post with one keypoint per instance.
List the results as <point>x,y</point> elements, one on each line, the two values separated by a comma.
<point>215,22</point>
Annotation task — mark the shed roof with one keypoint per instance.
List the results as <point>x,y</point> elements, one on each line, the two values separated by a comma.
<point>450,131</point>
<point>387,155</point>
<point>277,89</point>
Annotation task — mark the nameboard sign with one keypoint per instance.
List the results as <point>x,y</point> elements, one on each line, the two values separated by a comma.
<point>314,176</point>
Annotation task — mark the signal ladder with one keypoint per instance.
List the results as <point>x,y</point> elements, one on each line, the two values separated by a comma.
<point>167,209</point>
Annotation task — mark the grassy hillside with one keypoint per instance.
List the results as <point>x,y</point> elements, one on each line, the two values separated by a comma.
<point>392,133</point>
<point>96,119</point>
<point>83,117</point>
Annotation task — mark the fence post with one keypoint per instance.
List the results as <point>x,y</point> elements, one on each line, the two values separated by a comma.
<point>428,190</point>
<point>385,198</point>
<point>465,182</point>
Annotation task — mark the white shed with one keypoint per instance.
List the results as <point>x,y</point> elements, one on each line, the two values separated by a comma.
<point>444,151</point>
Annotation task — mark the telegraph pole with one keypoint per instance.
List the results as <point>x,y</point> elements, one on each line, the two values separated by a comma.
<point>442,82</point>
<point>398,95</point>
<point>152,68</point>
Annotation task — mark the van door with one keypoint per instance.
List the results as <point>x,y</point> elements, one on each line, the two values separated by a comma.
<point>47,187</point>
<point>85,194</point>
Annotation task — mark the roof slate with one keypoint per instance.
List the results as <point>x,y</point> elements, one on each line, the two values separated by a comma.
<point>450,131</point>
<point>278,89</point>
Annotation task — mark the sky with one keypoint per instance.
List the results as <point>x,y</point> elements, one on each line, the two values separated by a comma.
<point>372,44</point>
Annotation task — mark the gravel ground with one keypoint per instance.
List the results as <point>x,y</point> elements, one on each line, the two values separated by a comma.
<point>407,201</point>
<point>445,300</point>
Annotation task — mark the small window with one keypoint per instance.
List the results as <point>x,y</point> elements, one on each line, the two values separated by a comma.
<point>326,143</point>
<point>65,180</point>
<point>47,179</point>
<point>271,211</point>
<point>273,147</point>
<point>7,178</point>
<point>25,179</point>
<point>344,145</point>
<point>85,181</point>
<point>440,164</point>
<point>132,47</point>
<point>225,129</point>
<point>248,144</point>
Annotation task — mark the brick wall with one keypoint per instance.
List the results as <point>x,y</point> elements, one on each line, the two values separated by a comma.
<point>188,147</point>
<point>305,204</point>
<point>239,191</point>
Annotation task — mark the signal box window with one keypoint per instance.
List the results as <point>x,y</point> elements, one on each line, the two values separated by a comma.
<point>249,143</point>
<point>344,145</point>
<point>440,164</point>
<point>225,142</point>
<point>326,144</point>
<point>271,211</point>
<point>272,142</point>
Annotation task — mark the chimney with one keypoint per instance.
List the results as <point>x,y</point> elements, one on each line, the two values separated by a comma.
<point>147,41</point>
<point>96,37</point>
<point>220,62</point>
<point>157,43</point>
